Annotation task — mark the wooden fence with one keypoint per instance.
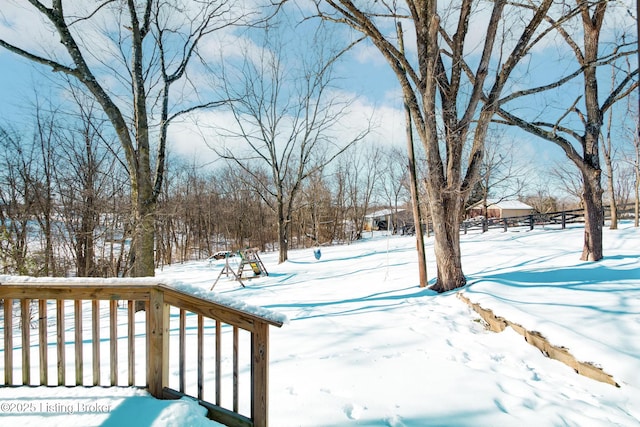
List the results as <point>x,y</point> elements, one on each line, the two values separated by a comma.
<point>48,306</point>
<point>560,218</point>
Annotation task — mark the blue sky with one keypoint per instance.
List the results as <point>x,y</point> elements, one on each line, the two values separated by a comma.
<point>16,78</point>
<point>364,73</point>
<point>371,81</point>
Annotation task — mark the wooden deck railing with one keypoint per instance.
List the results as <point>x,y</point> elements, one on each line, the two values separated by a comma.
<point>170,315</point>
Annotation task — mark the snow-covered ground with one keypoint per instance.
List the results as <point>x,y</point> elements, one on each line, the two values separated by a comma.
<point>365,346</point>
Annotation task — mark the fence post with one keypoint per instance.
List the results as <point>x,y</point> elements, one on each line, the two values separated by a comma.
<point>564,220</point>
<point>505,224</point>
<point>530,222</point>
<point>260,374</point>
<point>158,336</point>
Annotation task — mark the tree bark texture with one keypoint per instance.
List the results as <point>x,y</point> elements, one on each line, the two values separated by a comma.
<point>593,216</point>
<point>283,233</point>
<point>447,243</point>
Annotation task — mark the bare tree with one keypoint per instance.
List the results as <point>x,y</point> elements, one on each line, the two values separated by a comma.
<point>316,219</point>
<point>86,166</point>
<point>412,181</point>
<point>342,229</point>
<point>444,95</point>
<point>243,219</point>
<point>630,175</point>
<point>541,200</point>
<point>631,159</point>
<point>286,118</point>
<point>587,107</point>
<point>358,174</point>
<point>394,177</point>
<point>16,202</point>
<point>501,176</point>
<point>43,183</point>
<point>154,43</point>
<point>568,179</point>
<point>607,154</point>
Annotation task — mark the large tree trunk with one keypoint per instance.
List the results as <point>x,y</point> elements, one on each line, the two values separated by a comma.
<point>142,262</point>
<point>593,216</point>
<point>84,247</point>
<point>144,245</point>
<point>283,231</point>
<point>144,209</point>
<point>445,212</point>
<point>591,171</point>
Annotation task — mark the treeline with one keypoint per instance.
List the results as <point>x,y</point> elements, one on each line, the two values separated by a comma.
<point>65,202</point>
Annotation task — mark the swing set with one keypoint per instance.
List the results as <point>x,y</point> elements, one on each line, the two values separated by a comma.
<point>249,262</point>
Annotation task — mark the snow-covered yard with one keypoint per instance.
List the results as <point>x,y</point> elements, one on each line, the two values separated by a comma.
<point>365,346</point>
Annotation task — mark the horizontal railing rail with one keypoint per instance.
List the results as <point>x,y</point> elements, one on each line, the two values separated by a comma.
<point>66,312</point>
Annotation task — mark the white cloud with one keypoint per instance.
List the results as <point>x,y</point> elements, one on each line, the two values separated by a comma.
<point>366,53</point>
<point>25,27</point>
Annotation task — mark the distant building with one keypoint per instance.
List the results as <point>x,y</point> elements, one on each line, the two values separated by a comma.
<point>499,209</point>
<point>381,219</point>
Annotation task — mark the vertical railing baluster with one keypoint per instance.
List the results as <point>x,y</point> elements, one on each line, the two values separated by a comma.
<point>26,340</point>
<point>113,341</point>
<point>95,340</point>
<point>235,369</point>
<point>131,329</point>
<point>42,344</point>
<point>200,356</point>
<point>8,341</point>
<point>182,348</point>
<point>147,308</point>
<point>79,362</point>
<point>218,362</point>
<point>260,374</point>
<point>60,341</point>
